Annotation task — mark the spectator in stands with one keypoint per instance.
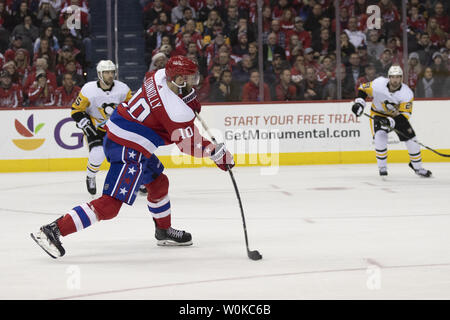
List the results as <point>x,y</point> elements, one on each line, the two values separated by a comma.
<point>428,86</point>
<point>22,12</point>
<point>385,61</point>
<point>294,48</point>
<point>231,21</point>
<point>281,7</point>
<point>298,70</point>
<point>311,59</point>
<point>191,28</point>
<point>439,68</point>
<point>6,20</point>
<point>11,68</point>
<point>285,90</point>
<point>324,44</point>
<point>71,67</point>
<point>67,93</point>
<point>187,15</point>
<point>182,47</point>
<point>23,65</point>
<point>271,48</point>
<point>303,35</point>
<point>356,37</point>
<point>46,51</point>
<point>241,71</point>
<point>425,49</point>
<point>250,91</point>
<point>46,16</point>
<point>213,23</point>
<point>365,59</point>
<point>52,39</point>
<point>63,58</point>
<point>325,23</point>
<point>167,49</point>
<point>312,22</point>
<point>155,34</point>
<point>267,18</point>
<point>41,92</point>
<point>177,12</point>
<point>347,48</point>
<point>41,65</point>
<point>330,89</point>
<point>390,18</point>
<point>442,19</point>
<point>243,27</point>
<point>354,70</point>
<point>414,70</point>
<point>152,13</point>
<point>207,8</point>
<point>10,93</point>
<point>279,34</point>
<point>16,44</point>
<point>416,21</point>
<point>159,61</point>
<point>374,45</point>
<point>437,35</point>
<point>310,88</point>
<point>241,47</point>
<point>225,90</point>
<point>28,32</point>
<point>253,53</point>
<point>56,4</point>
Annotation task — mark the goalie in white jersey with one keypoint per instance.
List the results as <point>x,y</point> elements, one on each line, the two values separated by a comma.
<point>92,108</point>
<point>391,109</point>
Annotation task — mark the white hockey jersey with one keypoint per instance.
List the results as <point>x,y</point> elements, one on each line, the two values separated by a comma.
<point>389,103</point>
<point>98,103</point>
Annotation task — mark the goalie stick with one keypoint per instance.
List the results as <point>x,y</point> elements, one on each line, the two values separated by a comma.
<point>426,147</point>
<point>252,254</point>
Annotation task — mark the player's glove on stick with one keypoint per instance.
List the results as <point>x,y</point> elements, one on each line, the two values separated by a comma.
<point>384,123</point>
<point>358,106</point>
<point>222,157</point>
<point>192,101</point>
<point>88,128</point>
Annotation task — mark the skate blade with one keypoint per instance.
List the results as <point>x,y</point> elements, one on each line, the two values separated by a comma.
<point>39,242</point>
<point>171,243</point>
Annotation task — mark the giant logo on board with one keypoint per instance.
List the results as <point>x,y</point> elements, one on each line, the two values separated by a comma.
<point>29,132</point>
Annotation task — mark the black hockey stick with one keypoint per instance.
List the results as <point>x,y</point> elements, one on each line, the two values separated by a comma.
<point>404,136</point>
<point>252,254</point>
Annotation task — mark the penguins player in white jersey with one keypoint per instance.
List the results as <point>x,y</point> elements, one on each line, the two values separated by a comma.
<point>391,109</point>
<point>92,108</point>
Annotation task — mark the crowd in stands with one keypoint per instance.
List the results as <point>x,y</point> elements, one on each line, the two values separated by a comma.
<point>42,58</point>
<point>299,45</point>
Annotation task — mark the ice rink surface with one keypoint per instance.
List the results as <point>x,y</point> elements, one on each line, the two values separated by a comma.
<point>325,232</point>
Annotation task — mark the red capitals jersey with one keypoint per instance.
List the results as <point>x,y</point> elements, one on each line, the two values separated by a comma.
<point>12,97</point>
<point>156,116</point>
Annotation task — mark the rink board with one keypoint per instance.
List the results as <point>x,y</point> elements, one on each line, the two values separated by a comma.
<point>258,135</point>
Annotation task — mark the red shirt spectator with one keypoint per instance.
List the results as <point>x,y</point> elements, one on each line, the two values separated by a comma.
<point>285,90</point>
<point>250,91</point>
<point>67,93</point>
<point>41,92</point>
<point>442,19</point>
<point>41,64</point>
<point>10,93</point>
<point>303,36</point>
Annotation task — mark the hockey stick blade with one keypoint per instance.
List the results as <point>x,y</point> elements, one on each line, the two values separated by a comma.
<point>426,147</point>
<point>254,255</point>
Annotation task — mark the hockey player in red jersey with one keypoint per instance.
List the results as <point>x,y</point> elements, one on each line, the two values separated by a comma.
<point>161,112</point>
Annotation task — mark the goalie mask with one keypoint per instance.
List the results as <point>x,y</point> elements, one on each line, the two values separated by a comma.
<point>185,67</point>
<point>105,65</point>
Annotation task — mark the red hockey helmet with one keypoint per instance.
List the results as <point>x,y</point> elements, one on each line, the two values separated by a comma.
<point>181,66</point>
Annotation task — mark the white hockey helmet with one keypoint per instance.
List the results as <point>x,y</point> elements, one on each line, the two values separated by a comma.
<point>105,65</point>
<point>395,71</point>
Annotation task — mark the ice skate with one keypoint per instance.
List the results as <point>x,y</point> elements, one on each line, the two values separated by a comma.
<point>421,172</point>
<point>172,237</point>
<point>142,190</point>
<point>91,185</point>
<point>48,239</point>
<point>383,171</point>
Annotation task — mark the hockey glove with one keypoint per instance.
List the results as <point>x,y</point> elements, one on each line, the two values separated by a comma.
<point>358,106</point>
<point>222,157</point>
<point>192,101</point>
<point>88,128</point>
<point>384,123</point>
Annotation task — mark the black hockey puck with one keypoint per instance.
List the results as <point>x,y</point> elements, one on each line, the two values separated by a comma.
<point>254,255</point>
